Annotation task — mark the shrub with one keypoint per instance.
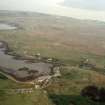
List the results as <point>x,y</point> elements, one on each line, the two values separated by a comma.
<point>91,92</point>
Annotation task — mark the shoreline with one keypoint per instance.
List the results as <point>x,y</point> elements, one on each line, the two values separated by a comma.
<point>28,79</point>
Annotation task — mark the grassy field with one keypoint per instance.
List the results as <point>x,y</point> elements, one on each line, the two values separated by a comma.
<point>63,91</point>
<point>66,39</point>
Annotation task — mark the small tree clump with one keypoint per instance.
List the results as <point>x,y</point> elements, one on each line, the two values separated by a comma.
<point>91,92</point>
<point>94,93</point>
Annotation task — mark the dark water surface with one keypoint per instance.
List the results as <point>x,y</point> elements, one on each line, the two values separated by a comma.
<point>13,65</point>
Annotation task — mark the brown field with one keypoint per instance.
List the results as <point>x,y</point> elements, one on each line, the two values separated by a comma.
<point>56,32</point>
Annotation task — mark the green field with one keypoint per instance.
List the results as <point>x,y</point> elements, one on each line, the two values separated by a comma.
<point>66,39</point>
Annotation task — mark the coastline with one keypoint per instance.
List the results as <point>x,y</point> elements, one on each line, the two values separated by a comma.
<point>28,79</point>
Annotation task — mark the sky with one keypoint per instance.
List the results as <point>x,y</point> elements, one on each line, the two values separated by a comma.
<point>81,9</point>
<point>98,5</point>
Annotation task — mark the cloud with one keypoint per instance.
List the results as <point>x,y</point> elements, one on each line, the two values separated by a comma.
<point>86,4</point>
<point>29,5</point>
<point>82,9</point>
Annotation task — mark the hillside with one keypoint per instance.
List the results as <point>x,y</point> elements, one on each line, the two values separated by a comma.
<point>66,39</point>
